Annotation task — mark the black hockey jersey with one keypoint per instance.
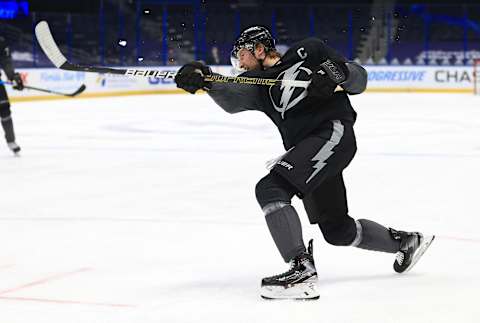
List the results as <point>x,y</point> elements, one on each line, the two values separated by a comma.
<point>294,112</point>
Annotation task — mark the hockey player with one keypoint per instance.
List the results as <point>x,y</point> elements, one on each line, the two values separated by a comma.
<point>5,113</point>
<point>316,125</point>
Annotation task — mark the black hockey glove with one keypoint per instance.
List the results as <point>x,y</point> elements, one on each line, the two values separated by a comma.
<point>17,82</point>
<point>326,79</point>
<point>190,77</point>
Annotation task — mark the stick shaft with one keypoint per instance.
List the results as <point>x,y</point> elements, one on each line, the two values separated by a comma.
<point>48,45</point>
<point>76,92</point>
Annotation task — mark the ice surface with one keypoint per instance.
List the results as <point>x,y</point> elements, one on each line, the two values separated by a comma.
<point>142,209</point>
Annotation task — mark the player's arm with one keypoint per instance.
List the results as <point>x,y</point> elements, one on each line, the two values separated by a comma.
<point>334,72</point>
<point>233,97</point>
<point>356,82</point>
<point>230,97</point>
<point>349,77</point>
<point>6,63</point>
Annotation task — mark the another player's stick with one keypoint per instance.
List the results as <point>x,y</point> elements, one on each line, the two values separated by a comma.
<point>50,48</point>
<point>75,93</point>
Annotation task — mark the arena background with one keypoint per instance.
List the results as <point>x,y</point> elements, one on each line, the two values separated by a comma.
<point>405,45</point>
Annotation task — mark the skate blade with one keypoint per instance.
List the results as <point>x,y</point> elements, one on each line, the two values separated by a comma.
<point>304,291</point>
<point>292,299</point>
<point>427,241</point>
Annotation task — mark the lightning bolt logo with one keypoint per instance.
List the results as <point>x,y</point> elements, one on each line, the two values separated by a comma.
<point>327,150</point>
<point>286,102</point>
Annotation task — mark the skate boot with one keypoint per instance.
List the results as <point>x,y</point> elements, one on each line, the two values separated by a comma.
<point>412,246</point>
<point>7,125</point>
<point>14,147</point>
<point>299,282</point>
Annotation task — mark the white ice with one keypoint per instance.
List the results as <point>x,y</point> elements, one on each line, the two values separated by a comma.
<point>142,209</point>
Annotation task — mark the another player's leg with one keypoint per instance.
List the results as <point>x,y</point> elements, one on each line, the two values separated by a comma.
<point>7,125</point>
<point>299,282</point>
<point>6,120</point>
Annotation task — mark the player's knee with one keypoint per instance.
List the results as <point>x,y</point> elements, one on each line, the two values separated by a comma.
<point>339,232</point>
<point>271,189</point>
<point>5,109</point>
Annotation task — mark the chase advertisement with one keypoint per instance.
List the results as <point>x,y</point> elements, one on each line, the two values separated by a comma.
<point>421,78</point>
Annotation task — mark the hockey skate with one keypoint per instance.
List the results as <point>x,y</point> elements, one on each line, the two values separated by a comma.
<point>14,148</point>
<point>412,246</point>
<point>299,282</point>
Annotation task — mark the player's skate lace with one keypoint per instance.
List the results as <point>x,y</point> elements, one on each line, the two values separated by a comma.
<point>292,266</point>
<point>400,256</point>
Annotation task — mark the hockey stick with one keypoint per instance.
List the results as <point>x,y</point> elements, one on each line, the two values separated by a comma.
<point>50,48</point>
<point>77,92</point>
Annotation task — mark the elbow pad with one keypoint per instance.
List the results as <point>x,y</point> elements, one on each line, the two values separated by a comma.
<point>357,79</point>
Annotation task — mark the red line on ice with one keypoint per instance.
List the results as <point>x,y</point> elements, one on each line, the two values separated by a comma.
<point>44,280</point>
<point>57,301</point>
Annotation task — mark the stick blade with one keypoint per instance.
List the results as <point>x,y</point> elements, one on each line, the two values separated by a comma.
<point>46,41</point>
<point>80,90</point>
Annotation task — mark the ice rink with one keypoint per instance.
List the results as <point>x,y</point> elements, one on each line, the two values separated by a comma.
<point>141,209</point>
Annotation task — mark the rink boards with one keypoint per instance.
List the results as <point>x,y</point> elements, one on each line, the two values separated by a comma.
<point>454,79</point>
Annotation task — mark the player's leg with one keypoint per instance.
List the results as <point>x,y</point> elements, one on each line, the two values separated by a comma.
<point>6,120</point>
<point>327,206</point>
<point>274,194</point>
<point>302,169</point>
<point>315,168</point>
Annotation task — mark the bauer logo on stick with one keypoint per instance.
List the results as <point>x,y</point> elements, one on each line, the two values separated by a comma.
<point>151,73</point>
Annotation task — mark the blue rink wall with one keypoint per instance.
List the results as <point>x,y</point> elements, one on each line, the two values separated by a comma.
<point>447,79</point>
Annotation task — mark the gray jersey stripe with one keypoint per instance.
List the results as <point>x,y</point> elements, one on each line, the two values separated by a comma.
<point>326,151</point>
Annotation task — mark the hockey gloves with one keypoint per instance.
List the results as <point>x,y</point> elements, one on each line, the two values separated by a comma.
<point>17,82</point>
<point>326,78</point>
<point>190,77</point>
